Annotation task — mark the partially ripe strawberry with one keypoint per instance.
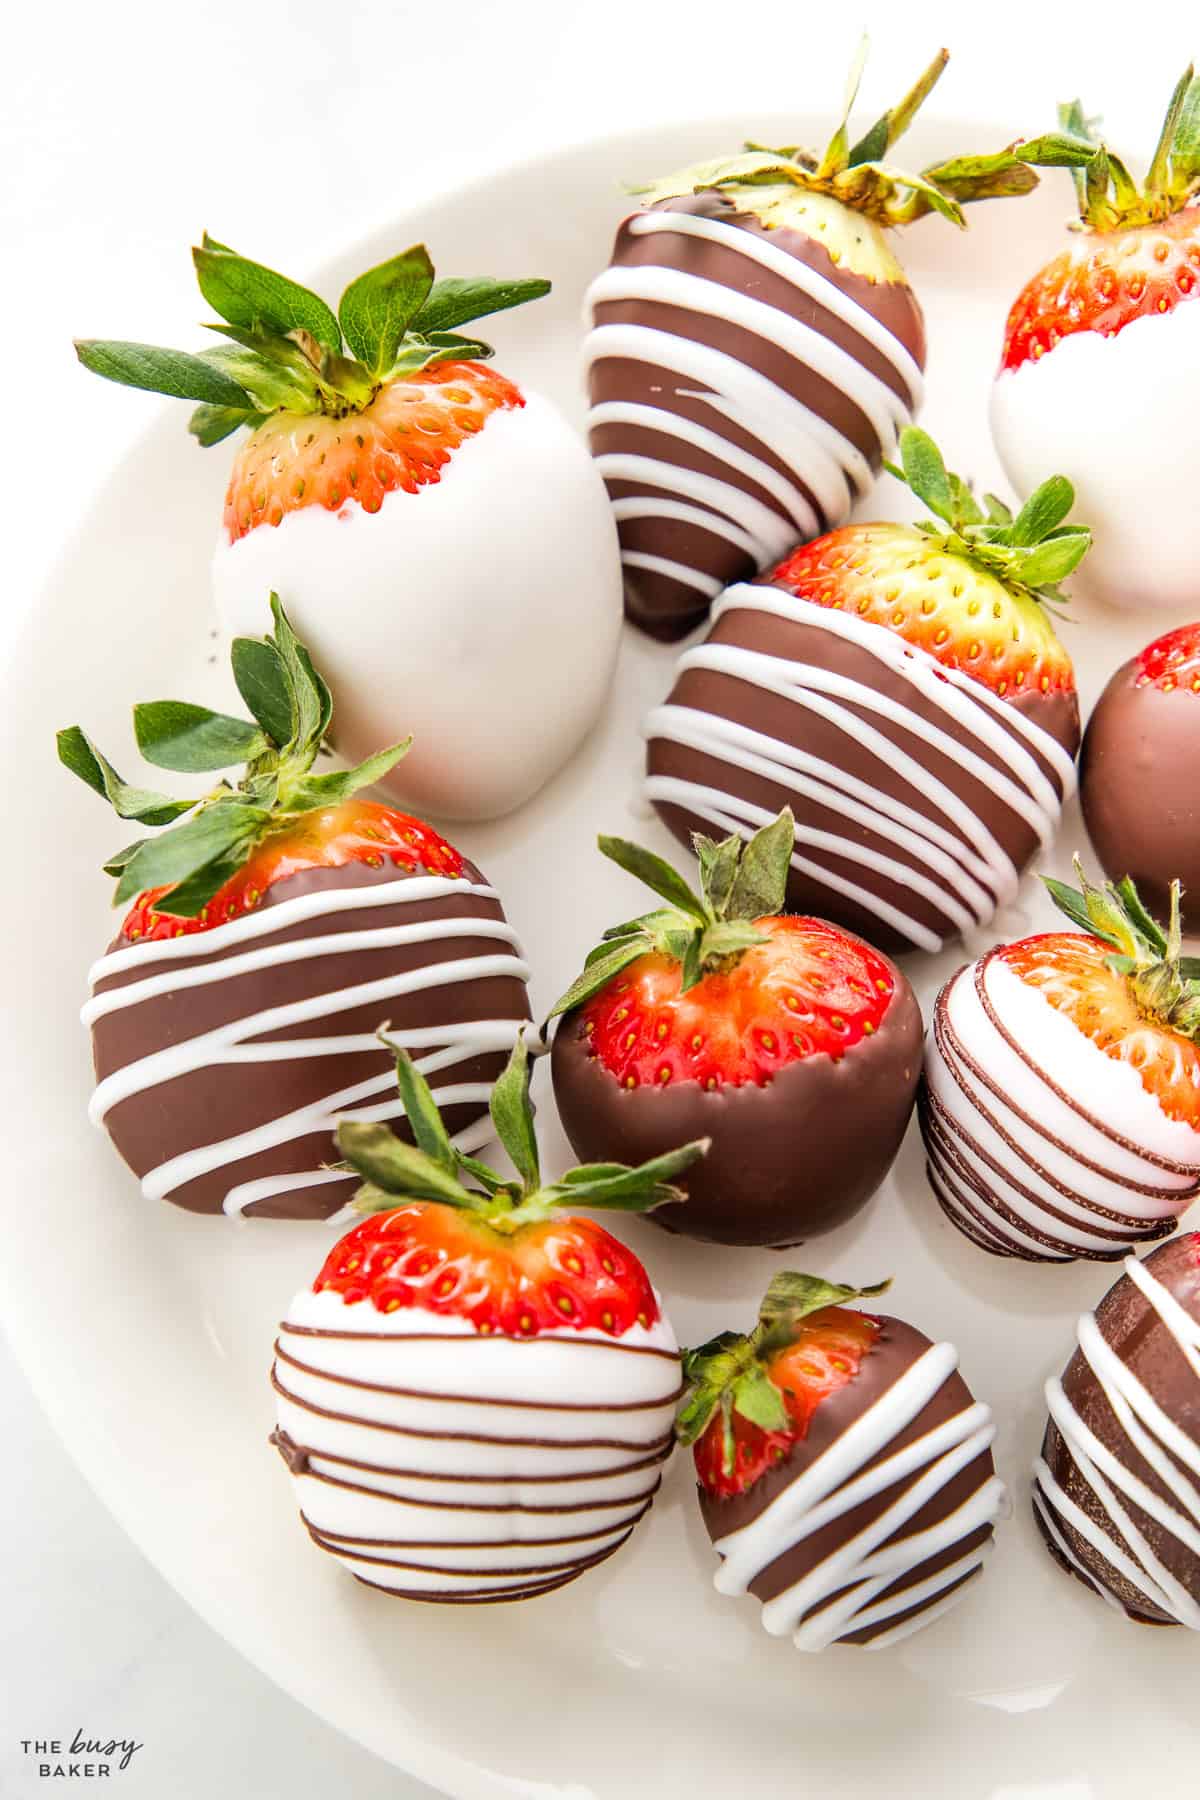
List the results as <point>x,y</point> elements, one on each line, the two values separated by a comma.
<point>1061,1101</point>
<point>1098,365</point>
<point>476,1396</point>
<point>1137,773</point>
<point>790,1043</point>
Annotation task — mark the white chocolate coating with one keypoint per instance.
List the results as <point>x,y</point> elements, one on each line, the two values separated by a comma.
<point>1040,1146</point>
<point>441,1464</point>
<point>481,613</point>
<point>1121,417</point>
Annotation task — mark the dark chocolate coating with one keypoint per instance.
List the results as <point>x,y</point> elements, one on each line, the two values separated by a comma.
<point>1134,1330</point>
<point>895,1350</point>
<point>661,605</point>
<point>773,715</point>
<point>222,1101</point>
<point>1139,787</point>
<point>788,1160</point>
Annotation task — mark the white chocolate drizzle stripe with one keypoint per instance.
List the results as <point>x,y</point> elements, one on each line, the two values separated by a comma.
<point>883,409</point>
<point>772,533</point>
<point>1153,1436</point>
<point>641,506</point>
<point>708,585</point>
<point>810,282</point>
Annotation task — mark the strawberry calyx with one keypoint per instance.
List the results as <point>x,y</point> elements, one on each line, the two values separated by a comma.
<point>1108,196</point>
<point>1030,554</point>
<point>288,351</point>
<point>1164,983</point>
<point>858,173</point>
<point>740,880</point>
<point>730,1377</point>
<point>432,1167</point>
<point>185,866</point>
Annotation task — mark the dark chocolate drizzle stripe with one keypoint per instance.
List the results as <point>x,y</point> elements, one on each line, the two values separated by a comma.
<point>611,1473</point>
<point>308,1473</point>
<point>562,1570</point>
<point>484,1596</point>
<point>953,1051</point>
<point>1115,1137</point>
<point>463,1437</point>
<point>963,1218</point>
<point>338,1540</point>
<point>473,1337</point>
<point>400,1393</point>
<point>955,1173</point>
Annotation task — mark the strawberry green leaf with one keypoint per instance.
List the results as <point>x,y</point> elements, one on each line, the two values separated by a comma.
<point>260,679</point>
<point>174,734</point>
<point>1045,509</point>
<point>1071,903</point>
<point>420,1108</point>
<point>271,385</point>
<point>1053,560</point>
<point>450,346</point>
<point>718,866</point>
<point>376,309</point>
<point>340,784</point>
<point>895,122</point>
<point>489,1181</point>
<point>640,1189</point>
<point>211,425</point>
<point>756,1397</point>
<point>760,885</point>
<point>598,972</point>
<point>512,1115</point>
<point>460,300</point>
<point>247,294</point>
<point>1143,922</point>
<point>119,858</point>
<point>160,371</point>
<point>77,753</point>
<point>397,1169</point>
<point>728,937</point>
<point>656,873</point>
<point>312,705</point>
<point>792,1296</point>
<point>925,472</point>
<point>691,967</point>
<point>227,827</point>
<point>1159,173</point>
<point>188,898</point>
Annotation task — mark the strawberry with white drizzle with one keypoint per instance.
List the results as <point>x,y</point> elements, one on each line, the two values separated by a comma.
<point>1100,370</point>
<point>476,1396</point>
<point>272,931</point>
<point>845,1472</point>
<point>415,509</point>
<point>1061,1098</point>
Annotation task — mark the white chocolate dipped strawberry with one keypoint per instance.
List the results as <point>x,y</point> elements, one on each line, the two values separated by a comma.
<point>476,1396</point>
<point>1100,371</point>
<point>437,533</point>
<point>1060,1104</point>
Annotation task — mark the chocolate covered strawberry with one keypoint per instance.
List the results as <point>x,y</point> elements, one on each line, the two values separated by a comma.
<point>476,1395</point>
<point>1061,1100</point>
<point>274,926</point>
<point>902,689</point>
<point>1100,370</point>
<point>756,349</point>
<point>791,1044</point>
<point>1137,773</point>
<point>845,1472</point>
<point>414,509</point>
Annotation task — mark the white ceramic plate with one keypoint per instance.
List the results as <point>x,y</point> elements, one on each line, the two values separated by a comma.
<point>147,1332</point>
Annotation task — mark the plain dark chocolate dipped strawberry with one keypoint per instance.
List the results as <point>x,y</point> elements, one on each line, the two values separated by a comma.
<point>272,931</point>
<point>845,1472</point>
<point>756,349</point>
<point>791,1044</point>
<point>1138,773</point>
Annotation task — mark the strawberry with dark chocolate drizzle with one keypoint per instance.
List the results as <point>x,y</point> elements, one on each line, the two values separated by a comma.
<point>790,1043</point>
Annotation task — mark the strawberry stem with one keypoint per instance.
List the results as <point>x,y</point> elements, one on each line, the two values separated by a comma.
<point>1108,197</point>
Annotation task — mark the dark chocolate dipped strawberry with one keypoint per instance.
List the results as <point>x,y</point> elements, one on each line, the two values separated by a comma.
<point>1061,1101</point>
<point>1116,1489</point>
<point>1138,773</point>
<point>272,931</point>
<point>475,1396</point>
<point>845,1472</point>
<point>791,1044</point>
<point>902,689</point>
<point>756,349</point>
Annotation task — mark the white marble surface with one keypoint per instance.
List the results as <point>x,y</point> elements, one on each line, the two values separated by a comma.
<point>127,129</point>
